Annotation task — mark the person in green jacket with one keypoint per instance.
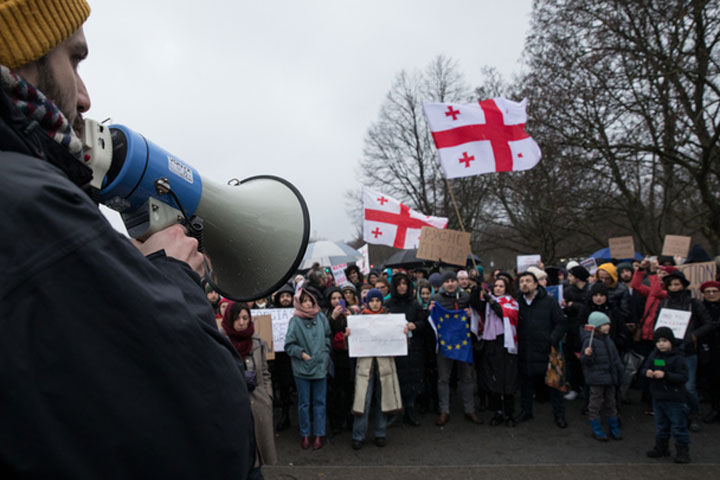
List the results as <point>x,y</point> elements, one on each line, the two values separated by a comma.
<point>307,342</point>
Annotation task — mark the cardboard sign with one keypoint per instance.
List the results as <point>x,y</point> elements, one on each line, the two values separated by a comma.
<point>622,247</point>
<point>676,245</point>
<point>263,329</point>
<point>526,261</point>
<point>280,320</point>
<point>364,263</point>
<point>676,320</point>
<point>377,335</point>
<point>697,274</point>
<point>590,265</point>
<point>338,272</point>
<point>449,246</point>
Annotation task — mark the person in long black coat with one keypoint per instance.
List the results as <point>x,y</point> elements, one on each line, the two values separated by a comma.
<point>541,325</point>
<point>410,369</point>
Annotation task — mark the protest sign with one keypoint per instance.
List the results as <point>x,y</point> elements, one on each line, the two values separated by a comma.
<point>280,320</point>
<point>676,320</point>
<point>364,263</point>
<point>697,274</point>
<point>338,272</point>
<point>449,246</point>
<point>590,265</point>
<point>526,261</point>
<point>263,329</point>
<point>676,245</point>
<point>556,291</point>
<point>377,335</point>
<point>622,247</point>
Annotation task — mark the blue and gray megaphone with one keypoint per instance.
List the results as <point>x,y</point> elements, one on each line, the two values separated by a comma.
<point>254,232</point>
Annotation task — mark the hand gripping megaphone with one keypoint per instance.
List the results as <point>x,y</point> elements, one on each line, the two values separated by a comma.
<point>254,232</point>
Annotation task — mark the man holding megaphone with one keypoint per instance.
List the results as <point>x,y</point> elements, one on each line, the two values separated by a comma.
<point>111,363</point>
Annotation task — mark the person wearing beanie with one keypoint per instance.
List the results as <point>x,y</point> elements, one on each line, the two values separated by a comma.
<point>618,292</point>
<point>451,297</point>
<point>574,295</point>
<point>351,298</point>
<point>603,370</point>
<point>667,373</point>
<point>375,378</point>
<point>132,335</point>
<point>540,274</point>
<point>435,280</point>
<point>625,272</point>
<point>679,297</point>
<point>464,280</point>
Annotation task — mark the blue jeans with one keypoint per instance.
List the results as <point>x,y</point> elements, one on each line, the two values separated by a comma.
<point>692,396</point>
<point>670,416</point>
<point>360,424</point>
<point>316,387</point>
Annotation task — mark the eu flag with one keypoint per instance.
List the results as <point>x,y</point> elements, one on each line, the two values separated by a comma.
<point>452,328</point>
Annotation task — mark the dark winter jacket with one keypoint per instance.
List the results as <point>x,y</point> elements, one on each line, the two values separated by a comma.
<point>604,366</point>
<point>575,300</point>
<point>287,288</point>
<point>540,326</point>
<point>713,309</point>
<point>452,301</point>
<point>112,363</point>
<point>672,387</point>
<point>339,351</point>
<point>618,330</point>
<point>409,368</point>
<point>700,321</point>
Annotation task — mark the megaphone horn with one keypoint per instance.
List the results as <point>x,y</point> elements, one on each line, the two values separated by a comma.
<point>254,232</point>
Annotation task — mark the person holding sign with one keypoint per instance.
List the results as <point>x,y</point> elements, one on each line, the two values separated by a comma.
<point>667,374</point>
<point>603,370</point>
<point>700,324</point>
<point>375,377</point>
<point>340,390</point>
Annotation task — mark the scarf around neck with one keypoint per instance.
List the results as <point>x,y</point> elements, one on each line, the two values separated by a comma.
<point>242,340</point>
<point>36,106</point>
<point>301,311</point>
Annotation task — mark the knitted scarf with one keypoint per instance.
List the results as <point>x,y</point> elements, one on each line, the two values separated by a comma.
<point>36,106</point>
<point>242,340</point>
<point>301,311</point>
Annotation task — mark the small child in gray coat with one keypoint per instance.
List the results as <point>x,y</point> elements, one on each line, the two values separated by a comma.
<point>603,372</point>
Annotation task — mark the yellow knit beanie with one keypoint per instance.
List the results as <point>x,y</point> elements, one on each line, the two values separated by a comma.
<point>31,28</point>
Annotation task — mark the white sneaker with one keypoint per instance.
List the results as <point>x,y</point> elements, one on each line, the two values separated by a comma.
<point>571,395</point>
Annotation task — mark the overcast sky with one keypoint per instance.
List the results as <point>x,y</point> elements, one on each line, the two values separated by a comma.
<point>286,88</point>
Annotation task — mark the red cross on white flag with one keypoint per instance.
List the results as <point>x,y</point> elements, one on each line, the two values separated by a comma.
<point>389,222</point>
<point>481,138</point>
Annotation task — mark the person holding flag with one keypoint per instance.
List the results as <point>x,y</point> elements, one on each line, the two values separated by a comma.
<point>450,318</point>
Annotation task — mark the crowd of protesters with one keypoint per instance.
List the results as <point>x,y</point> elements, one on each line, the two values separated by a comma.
<point>602,329</point>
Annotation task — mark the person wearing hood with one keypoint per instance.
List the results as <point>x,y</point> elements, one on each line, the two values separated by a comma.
<point>429,399</point>
<point>340,391</point>
<point>307,342</point>
<point>373,276</point>
<point>410,367</point>
<point>350,294</point>
<point>281,368</point>
<point>541,326</point>
<point>711,300</point>
<point>680,298</point>
<point>450,297</point>
<point>240,329</point>
<point>617,291</point>
<point>315,284</point>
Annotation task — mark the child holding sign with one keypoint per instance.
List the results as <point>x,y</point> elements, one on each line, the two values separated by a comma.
<point>667,373</point>
<point>603,371</point>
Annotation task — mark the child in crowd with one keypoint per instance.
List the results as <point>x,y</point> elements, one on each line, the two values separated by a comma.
<point>307,342</point>
<point>603,370</point>
<point>375,377</point>
<point>667,373</point>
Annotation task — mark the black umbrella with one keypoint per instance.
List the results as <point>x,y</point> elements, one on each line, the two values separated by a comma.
<point>408,259</point>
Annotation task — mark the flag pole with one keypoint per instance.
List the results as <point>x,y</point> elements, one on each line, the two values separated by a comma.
<point>457,212</point>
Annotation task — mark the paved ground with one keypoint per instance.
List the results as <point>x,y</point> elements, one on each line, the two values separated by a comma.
<point>532,450</point>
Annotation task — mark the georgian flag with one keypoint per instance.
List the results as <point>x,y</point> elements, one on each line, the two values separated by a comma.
<point>389,222</point>
<point>481,138</point>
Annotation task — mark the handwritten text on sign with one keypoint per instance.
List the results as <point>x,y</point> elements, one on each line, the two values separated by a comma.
<point>449,246</point>
<point>622,247</point>
<point>676,320</point>
<point>697,274</point>
<point>280,321</point>
<point>377,335</point>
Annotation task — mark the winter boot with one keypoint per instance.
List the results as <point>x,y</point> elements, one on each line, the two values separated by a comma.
<point>614,426</point>
<point>284,422</point>
<point>682,453</point>
<point>659,450</point>
<point>597,430</point>
<point>411,417</point>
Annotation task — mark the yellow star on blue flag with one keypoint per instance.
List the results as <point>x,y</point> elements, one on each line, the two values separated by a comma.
<point>454,334</point>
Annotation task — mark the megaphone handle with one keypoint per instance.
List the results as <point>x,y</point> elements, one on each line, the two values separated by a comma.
<point>195,227</point>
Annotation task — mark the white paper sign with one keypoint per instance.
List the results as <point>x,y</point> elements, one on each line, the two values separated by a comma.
<point>526,261</point>
<point>676,320</point>
<point>590,265</point>
<point>377,335</point>
<point>280,321</point>
<point>338,272</point>
<point>364,263</point>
